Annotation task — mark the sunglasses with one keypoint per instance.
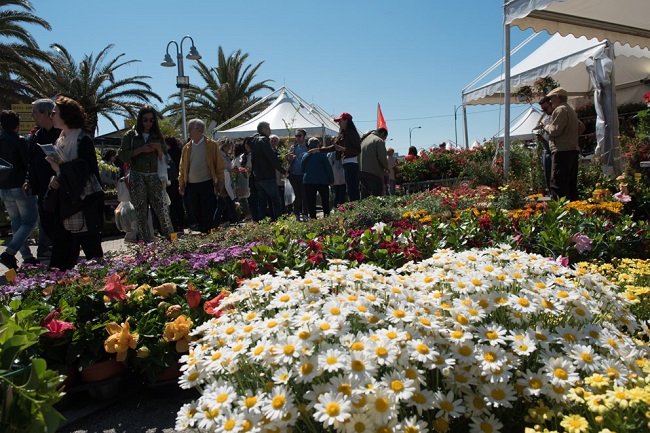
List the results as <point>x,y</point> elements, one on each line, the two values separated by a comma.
<point>148,120</point>
<point>299,135</point>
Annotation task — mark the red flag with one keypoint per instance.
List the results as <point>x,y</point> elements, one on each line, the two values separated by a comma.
<point>381,123</point>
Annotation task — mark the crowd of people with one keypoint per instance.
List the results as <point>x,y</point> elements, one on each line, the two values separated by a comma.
<point>52,178</point>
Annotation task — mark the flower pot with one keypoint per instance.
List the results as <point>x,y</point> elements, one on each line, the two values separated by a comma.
<point>170,373</point>
<point>102,370</point>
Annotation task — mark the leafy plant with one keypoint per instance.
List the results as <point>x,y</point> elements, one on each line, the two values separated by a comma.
<point>28,389</point>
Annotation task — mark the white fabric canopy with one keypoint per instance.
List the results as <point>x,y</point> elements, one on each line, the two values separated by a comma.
<point>286,114</point>
<point>564,58</point>
<point>625,21</point>
<point>522,128</point>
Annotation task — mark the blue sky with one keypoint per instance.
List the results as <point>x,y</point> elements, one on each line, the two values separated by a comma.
<point>412,57</point>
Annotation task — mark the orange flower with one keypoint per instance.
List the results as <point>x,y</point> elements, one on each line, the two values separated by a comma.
<point>120,340</point>
<point>212,306</point>
<point>179,331</point>
<point>164,290</point>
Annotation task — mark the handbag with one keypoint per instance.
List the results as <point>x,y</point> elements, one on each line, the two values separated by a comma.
<point>76,223</point>
<point>91,187</point>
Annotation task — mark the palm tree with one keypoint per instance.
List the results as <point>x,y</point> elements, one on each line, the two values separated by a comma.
<point>92,83</point>
<point>229,89</point>
<point>18,50</point>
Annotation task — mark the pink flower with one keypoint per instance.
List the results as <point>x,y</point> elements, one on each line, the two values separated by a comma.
<point>647,97</point>
<point>562,261</point>
<point>55,328</point>
<point>583,243</point>
<point>623,198</point>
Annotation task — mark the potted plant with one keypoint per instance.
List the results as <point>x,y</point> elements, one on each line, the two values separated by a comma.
<point>524,94</point>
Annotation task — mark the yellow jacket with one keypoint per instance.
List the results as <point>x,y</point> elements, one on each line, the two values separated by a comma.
<point>212,153</point>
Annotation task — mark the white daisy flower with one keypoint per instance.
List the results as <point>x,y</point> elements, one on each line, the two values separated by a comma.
<point>382,406</point>
<point>487,424</point>
<point>332,409</point>
<point>398,385</point>
<point>448,405</point>
<point>499,394</point>
<point>333,359</point>
<point>560,372</point>
<point>384,351</point>
<point>584,357</point>
<point>278,404</point>
<point>359,423</point>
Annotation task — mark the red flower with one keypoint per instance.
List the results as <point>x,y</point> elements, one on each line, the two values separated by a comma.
<point>314,246</point>
<point>193,296</point>
<point>359,257</point>
<point>212,306</point>
<point>248,267</point>
<point>315,258</point>
<point>647,97</point>
<point>114,288</point>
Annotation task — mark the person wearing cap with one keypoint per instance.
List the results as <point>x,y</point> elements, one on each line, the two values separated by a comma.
<point>543,137</point>
<point>564,128</point>
<point>347,146</point>
<point>373,162</point>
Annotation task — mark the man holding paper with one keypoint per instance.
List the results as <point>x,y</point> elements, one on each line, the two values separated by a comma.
<point>39,172</point>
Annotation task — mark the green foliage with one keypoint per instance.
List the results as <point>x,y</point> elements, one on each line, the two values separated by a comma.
<point>28,389</point>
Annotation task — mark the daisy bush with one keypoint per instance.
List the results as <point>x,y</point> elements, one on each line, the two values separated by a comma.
<point>461,341</point>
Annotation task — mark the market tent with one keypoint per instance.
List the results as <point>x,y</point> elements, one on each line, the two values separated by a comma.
<point>624,21</point>
<point>564,58</point>
<point>522,127</point>
<point>286,113</point>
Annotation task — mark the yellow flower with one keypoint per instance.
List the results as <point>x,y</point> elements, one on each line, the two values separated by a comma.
<point>164,290</point>
<point>178,331</point>
<point>575,424</point>
<point>120,340</point>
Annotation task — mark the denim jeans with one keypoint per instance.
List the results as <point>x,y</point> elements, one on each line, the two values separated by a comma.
<point>23,212</point>
<point>352,180</point>
<point>268,189</point>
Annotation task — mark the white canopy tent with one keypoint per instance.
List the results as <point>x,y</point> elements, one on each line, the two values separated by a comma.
<point>623,21</point>
<point>286,113</point>
<point>564,58</point>
<point>522,128</point>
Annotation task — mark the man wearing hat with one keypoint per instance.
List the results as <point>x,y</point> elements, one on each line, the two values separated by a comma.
<point>564,129</point>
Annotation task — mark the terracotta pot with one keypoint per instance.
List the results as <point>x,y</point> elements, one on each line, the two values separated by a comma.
<point>102,370</point>
<point>170,373</point>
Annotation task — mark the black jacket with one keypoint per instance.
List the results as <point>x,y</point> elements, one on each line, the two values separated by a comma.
<point>265,161</point>
<point>13,149</point>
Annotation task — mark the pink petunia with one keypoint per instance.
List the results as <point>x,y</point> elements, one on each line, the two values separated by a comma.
<point>583,243</point>
<point>623,198</point>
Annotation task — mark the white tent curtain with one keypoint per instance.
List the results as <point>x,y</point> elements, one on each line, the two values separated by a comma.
<point>601,72</point>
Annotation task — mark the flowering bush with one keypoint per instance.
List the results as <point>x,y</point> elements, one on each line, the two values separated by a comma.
<point>461,342</point>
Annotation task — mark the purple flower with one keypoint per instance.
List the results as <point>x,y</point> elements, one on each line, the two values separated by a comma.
<point>562,261</point>
<point>583,243</point>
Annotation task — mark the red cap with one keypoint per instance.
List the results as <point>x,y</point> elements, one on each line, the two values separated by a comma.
<point>344,115</point>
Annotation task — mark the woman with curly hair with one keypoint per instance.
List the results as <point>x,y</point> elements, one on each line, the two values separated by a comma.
<point>80,202</point>
<point>143,147</point>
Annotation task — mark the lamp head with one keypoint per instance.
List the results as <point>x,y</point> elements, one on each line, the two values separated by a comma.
<point>168,61</point>
<point>193,54</point>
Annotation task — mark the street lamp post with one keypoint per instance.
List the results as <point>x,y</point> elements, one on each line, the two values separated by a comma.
<point>182,81</point>
<point>410,130</point>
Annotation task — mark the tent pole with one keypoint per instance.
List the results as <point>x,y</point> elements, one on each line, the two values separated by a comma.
<point>465,126</point>
<point>506,115</point>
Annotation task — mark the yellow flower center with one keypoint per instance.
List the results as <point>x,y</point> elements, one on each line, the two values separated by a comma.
<point>278,402</point>
<point>382,405</point>
<point>333,409</point>
<point>397,386</point>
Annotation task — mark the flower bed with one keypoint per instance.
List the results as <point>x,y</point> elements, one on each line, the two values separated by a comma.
<point>464,341</point>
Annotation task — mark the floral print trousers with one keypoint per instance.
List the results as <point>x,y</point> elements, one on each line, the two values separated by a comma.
<point>148,190</point>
